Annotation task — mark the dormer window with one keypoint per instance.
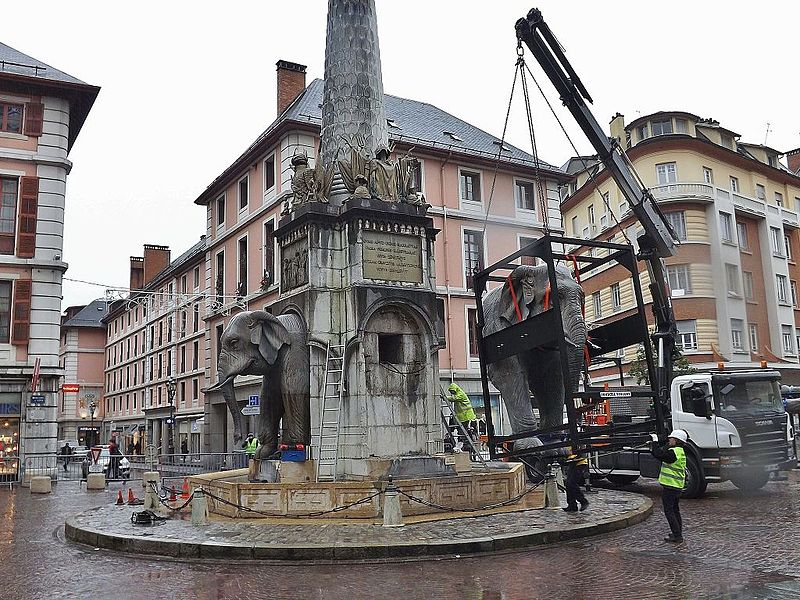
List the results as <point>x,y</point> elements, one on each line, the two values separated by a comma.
<point>726,140</point>
<point>661,127</point>
<point>501,145</point>
<point>452,136</point>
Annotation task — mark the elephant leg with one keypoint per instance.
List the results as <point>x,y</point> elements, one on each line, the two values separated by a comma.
<point>269,420</point>
<point>547,384</point>
<point>509,378</point>
<point>296,418</point>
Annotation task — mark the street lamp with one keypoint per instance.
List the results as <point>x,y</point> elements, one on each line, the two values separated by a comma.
<point>171,419</point>
<point>92,407</point>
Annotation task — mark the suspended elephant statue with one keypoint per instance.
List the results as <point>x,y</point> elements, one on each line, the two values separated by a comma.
<point>536,371</point>
<point>258,343</point>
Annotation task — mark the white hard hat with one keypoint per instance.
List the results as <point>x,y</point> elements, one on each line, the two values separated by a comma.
<point>679,434</point>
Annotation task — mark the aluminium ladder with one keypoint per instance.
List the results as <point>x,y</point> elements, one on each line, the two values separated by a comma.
<point>448,414</point>
<point>329,410</point>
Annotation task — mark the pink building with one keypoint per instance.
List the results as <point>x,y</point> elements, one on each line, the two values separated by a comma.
<point>487,199</point>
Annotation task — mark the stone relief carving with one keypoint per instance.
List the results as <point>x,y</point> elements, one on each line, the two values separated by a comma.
<point>309,185</point>
<point>294,265</point>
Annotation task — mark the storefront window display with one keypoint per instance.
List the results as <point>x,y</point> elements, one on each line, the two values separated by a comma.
<point>9,447</point>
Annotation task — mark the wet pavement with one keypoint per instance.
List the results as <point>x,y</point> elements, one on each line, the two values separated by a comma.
<point>737,546</point>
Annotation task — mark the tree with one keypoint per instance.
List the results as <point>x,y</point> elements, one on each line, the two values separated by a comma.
<point>638,368</point>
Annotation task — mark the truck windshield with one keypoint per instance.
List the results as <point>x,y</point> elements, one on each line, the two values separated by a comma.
<point>749,397</point>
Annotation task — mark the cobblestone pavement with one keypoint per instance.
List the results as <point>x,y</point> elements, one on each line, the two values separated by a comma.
<point>739,546</point>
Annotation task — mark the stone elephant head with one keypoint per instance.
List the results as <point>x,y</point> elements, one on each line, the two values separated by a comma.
<point>258,343</point>
<point>527,293</point>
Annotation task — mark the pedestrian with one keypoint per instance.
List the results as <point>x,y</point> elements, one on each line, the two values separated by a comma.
<point>66,452</point>
<point>250,445</point>
<point>130,448</point>
<point>462,407</point>
<point>184,448</point>
<point>137,448</point>
<point>577,467</point>
<point>113,459</point>
<point>672,479</point>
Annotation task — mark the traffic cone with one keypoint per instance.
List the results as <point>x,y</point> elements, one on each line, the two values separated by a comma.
<point>131,497</point>
<point>185,489</point>
<point>120,501</point>
<point>172,495</point>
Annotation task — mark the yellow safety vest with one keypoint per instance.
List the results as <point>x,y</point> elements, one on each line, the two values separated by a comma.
<point>463,406</point>
<point>576,459</point>
<point>251,446</point>
<point>674,474</point>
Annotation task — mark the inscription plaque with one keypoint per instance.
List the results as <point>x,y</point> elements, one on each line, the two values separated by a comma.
<point>392,257</point>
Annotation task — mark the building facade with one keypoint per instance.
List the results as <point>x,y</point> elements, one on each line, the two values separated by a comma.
<point>42,111</point>
<point>82,356</point>
<point>155,354</point>
<point>487,199</point>
<point>733,206</point>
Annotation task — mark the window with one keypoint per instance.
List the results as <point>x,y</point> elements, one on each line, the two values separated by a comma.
<point>473,255</point>
<point>677,219</point>
<point>242,287</point>
<point>666,173</point>
<point>576,226</point>
<point>11,115</point>
<point>616,297</point>
<point>753,330</point>
<point>527,260</point>
<point>680,126</point>
<point>523,193</point>
<point>182,331</point>
<point>726,141</point>
<point>221,210</point>
<point>732,276</point>
<point>8,214</point>
<point>749,292</point>
<point>219,287</point>
<point>590,214</point>
<point>787,336</point>
<point>195,354</point>
<point>470,186</point>
<point>793,288</point>
<point>416,175</point>
<point>597,302</point>
<point>737,343</point>
<point>244,187</point>
<point>196,278</point>
<point>734,184</point>
<point>725,229</point>
<point>679,280</point>
<point>708,175</point>
<point>472,332</point>
<point>182,396</point>
<point>268,277</point>
<point>195,395</point>
<point>662,127</point>
<point>780,281</point>
<point>642,131</point>
<point>5,312</point>
<point>687,335</point>
<point>195,318</point>
<point>761,194</point>
<point>183,359</point>
<point>778,199</point>
<point>787,245</point>
<point>776,238</point>
<point>269,173</point>
<point>219,340</point>
<point>169,363</point>
<point>741,234</point>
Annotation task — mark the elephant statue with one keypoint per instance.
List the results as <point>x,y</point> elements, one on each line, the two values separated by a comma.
<point>536,371</point>
<point>258,343</point>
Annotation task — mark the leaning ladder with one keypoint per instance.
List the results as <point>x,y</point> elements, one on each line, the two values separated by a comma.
<point>449,414</point>
<point>329,409</point>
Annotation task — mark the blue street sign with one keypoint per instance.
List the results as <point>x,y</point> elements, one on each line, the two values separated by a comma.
<point>37,400</point>
<point>254,401</point>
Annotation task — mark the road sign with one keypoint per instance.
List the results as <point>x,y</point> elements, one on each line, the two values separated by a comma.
<point>70,388</point>
<point>37,400</point>
<point>95,454</point>
<point>251,410</point>
<point>253,400</point>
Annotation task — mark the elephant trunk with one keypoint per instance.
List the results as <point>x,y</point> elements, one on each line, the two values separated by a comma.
<point>230,399</point>
<point>575,334</point>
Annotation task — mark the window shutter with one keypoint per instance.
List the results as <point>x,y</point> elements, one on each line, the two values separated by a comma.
<point>28,208</point>
<point>34,117</point>
<point>22,312</point>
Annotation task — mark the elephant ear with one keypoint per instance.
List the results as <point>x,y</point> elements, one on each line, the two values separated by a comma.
<point>516,296</point>
<point>269,334</point>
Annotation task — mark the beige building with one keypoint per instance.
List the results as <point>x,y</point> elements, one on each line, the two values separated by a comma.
<point>733,205</point>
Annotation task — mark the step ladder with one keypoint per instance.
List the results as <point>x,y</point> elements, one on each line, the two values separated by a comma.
<point>329,407</point>
<point>449,414</point>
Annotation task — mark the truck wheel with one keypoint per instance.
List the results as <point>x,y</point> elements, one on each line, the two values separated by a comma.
<point>751,480</point>
<point>696,484</point>
<point>620,480</point>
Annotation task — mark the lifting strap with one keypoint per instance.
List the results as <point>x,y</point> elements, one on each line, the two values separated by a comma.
<point>514,298</point>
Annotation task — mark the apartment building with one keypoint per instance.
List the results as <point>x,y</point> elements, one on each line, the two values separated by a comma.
<point>488,199</point>
<point>155,353</point>
<point>733,206</point>
<point>82,356</point>
<point>42,111</point>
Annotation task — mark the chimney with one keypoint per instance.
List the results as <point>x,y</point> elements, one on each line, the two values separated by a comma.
<point>291,82</point>
<point>137,273</point>
<point>156,259</point>
<point>793,160</point>
<point>617,128</point>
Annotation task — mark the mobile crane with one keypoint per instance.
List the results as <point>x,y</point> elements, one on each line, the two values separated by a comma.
<point>737,426</point>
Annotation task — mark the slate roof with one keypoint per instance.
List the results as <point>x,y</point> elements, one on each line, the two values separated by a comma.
<point>415,123</point>
<point>14,61</point>
<point>90,315</point>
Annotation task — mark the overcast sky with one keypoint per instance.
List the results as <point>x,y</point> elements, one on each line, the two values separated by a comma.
<point>187,86</point>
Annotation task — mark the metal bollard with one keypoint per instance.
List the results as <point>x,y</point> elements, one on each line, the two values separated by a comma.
<point>392,514</point>
<point>551,499</point>
<point>199,508</point>
<point>150,479</point>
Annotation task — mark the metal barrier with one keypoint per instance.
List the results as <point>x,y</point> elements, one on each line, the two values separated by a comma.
<point>186,465</point>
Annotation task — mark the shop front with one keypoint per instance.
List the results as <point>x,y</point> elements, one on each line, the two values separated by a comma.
<point>88,435</point>
<point>10,405</point>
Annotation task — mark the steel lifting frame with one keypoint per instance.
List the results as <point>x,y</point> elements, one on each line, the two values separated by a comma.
<point>546,330</point>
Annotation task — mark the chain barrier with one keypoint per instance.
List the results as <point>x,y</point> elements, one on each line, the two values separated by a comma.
<point>162,499</point>
<point>294,516</point>
<point>471,509</point>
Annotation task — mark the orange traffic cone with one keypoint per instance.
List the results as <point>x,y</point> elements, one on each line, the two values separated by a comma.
<point>131,497</point>
<point>120,501</point>
<point>185,489</point>
<point>172,496</point>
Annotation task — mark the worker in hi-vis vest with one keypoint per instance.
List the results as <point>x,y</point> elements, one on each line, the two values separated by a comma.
<point>462,407</point>
<point>577,468</point>
<point>672,479</point>
<point>250,445</point>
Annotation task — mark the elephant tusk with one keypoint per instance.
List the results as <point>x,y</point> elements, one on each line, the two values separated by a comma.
<point>220,384</point>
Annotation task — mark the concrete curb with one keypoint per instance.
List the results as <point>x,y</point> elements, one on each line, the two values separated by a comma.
<point>334,552</point>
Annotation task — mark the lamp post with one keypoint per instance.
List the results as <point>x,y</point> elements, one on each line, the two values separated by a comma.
<point>92,408</point>
<point>171,419</point>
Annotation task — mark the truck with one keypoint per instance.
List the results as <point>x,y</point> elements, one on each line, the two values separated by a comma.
<point>738,431</point>
<point>738,428</point>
